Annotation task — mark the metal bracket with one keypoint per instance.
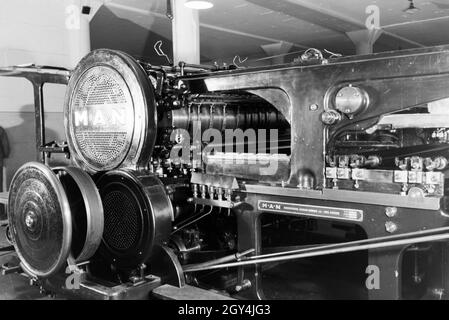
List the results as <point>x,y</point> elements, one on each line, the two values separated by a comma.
<point>10,269</point>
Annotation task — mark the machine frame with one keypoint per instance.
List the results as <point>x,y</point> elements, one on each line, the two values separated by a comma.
<point>302,93</point>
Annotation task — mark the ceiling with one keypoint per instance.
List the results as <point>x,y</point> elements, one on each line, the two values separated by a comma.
<point>242,27</point>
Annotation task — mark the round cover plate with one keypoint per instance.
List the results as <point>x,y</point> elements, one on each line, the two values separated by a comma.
<point>40,220</point>
<point>110,112</point>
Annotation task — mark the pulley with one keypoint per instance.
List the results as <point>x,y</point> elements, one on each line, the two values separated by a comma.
<point>137,217</point>
<point>86,211</point>
<point>53,216</point>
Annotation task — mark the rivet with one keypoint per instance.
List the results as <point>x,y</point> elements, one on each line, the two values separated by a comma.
<point>391,227</point>
<point>313,107</point>
<point>391,212</point>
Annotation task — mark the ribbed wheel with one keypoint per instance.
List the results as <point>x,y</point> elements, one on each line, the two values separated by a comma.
<point>137,217</point>
<point>40,219</point>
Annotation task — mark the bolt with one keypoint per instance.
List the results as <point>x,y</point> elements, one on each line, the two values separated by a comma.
<point>30,220</point>
<point>313,107</point>
<point>330,117</point>
<point>34,282</point>
<point>246,284</point>
<point>391,212</point>
<point>417,279</point>
<point>135,279</point>
<point>391,227</point>
<point>438,292</point>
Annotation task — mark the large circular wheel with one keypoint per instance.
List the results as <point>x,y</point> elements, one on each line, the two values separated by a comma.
<point>137,217</point>
<point>40,219</point>
<point>53,215</point>
<point>110,112</point>
<point>86,211</point>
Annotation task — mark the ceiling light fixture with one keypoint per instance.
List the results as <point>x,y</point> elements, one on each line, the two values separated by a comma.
<point>199,4</point>
<point>411,8</point>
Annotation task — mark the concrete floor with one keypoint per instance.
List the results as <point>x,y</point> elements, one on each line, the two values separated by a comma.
<point>15,286</point>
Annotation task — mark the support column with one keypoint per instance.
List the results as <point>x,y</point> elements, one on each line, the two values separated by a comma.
<point>364,39</point>
<point>277,50</point>
<point>186,33</point>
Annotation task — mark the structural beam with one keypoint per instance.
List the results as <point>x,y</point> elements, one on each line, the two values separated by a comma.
<point>330,20</point>
<point>125,11</point>
<point>277,51</point>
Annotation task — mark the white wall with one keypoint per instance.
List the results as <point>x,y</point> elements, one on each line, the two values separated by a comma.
<point>43,32</point>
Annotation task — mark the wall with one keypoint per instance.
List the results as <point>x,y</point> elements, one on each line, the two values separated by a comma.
<point>17,117</point>
<point>44,32</point>
<point>110,31</point>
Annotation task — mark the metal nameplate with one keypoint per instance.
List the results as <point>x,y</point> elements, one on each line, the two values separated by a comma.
<point>311,211</point>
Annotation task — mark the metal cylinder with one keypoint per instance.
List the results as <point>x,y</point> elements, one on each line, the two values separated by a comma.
<point>222,115</point>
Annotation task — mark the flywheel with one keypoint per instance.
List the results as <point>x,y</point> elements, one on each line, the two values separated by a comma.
<point>53,215</point>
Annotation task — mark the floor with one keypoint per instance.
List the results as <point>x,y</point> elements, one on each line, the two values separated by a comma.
<point>15,286</point>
